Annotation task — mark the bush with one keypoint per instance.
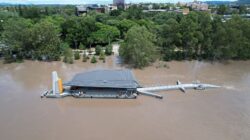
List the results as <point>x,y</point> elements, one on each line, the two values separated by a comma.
<point>98,50</point>
<point>68,60</point>
<point>93,59</point>
<point>85,57</point>
<point>102,55</point>
<point>68,56</point>
<point>108,50</point>
<point>10,57</point>
<point>77,55</point>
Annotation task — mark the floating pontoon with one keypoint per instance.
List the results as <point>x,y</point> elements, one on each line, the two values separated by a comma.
<point>120,84</point>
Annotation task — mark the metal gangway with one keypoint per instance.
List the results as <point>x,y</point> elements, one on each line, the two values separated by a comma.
<point>179,86</point>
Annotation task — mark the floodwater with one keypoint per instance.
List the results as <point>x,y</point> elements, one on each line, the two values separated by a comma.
<point>216,114</point>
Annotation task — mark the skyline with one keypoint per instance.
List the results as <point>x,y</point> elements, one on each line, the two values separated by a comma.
<point>93,1</point>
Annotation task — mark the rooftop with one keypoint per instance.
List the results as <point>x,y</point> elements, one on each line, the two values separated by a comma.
<point>105,79</point>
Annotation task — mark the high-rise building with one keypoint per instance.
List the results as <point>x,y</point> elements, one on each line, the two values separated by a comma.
<point>119,3</point>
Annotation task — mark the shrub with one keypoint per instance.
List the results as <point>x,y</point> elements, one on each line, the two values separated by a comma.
<point>85,57</point>
<point>68,56</point>
<point>108,50</point>
<point>77,55</point>
<point>93,59</point>
<point>98,50</point>
<point>102,55</point>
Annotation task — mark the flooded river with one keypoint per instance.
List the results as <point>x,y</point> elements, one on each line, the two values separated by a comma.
<point>216,114</point>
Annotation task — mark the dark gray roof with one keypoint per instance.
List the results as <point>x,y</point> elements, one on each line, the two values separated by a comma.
<point>105,79</point>
<point>82,8</point>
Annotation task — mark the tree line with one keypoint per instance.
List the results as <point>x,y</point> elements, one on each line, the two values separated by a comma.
<point>45,33</point>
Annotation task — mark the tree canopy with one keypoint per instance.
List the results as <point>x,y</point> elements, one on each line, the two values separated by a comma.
<point>105,33</point>
<point>138,48</point>
<point>40,32</point>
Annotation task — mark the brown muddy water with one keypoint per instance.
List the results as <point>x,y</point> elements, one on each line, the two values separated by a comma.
<point>217,114</point>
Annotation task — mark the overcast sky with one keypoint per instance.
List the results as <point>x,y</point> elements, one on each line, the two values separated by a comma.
<point>88,1</point>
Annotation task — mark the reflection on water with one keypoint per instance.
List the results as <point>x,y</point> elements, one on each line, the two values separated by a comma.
<point>222,113</point>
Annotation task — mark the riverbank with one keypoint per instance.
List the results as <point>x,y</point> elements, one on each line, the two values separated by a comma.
<point>222,113</point>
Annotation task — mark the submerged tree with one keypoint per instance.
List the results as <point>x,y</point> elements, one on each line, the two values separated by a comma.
<point>85,57</point>
<point>138,48</point>
<point>108,50</point>
<point>77,55</point>
<point>102,56</point>
<point>93,59</point>
<point>98,49</point>
<point>32,41</point>
<point>68,56</point>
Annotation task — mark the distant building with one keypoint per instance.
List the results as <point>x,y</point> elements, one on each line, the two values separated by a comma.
<point>196,5</point>
<point>111,7</point>
<point>82,10</point>
<point>119,3</point>
<point>150,6</point>
<point>185,11</point>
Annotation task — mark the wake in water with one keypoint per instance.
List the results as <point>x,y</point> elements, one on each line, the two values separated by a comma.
<point>230,87</point>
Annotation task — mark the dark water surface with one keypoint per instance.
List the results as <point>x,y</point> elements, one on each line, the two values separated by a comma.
<point>217,114</point>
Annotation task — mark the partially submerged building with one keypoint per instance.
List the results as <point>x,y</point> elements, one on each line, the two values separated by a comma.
<point>120,84</point>
<point>104,83</point>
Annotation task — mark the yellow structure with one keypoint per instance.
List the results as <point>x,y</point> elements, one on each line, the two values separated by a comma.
<point>60,85</point>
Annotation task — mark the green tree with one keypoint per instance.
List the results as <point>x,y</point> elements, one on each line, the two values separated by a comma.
<point>138,48</point>
<point>45,41</point>
<point>205,37</point>
<point>76,30</point>
<point>219,39</point>
<point>105,34</point>
<point>222,10</point>
<point>31,12</point>
<point>190,35</point>
<point>169,38</point>
<point>16,36</point>
<point>25,40</point>
<point>125,25</point>
<point>242,9</point>
<point>115,12</point>
<point>162,17</point>
<point>134,12</point>
<point>56,21</point>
